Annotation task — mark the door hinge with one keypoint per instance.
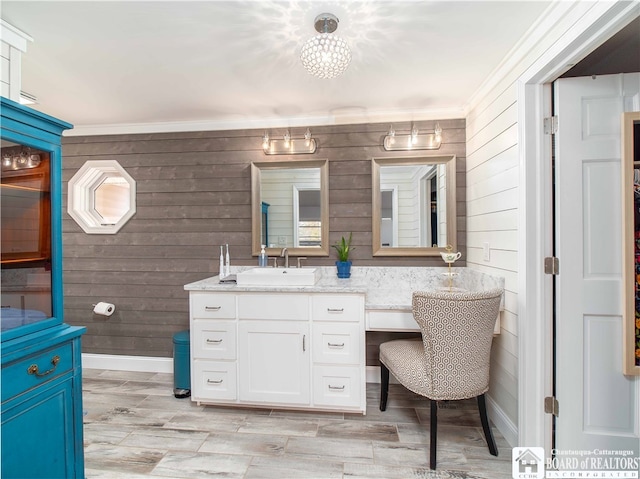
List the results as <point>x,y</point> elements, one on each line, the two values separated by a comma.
<point>551,265</point>
<point>551,125</point>
<point>551,405</point>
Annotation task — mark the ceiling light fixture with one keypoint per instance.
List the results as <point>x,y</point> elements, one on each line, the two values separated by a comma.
<point>288,145</point>
<point>326,55</point>
<point>413,141</point>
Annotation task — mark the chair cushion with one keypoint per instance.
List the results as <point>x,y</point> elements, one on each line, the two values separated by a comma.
<point>406,359</point>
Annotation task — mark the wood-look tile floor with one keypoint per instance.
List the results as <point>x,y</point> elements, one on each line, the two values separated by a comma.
<point>134,428</point>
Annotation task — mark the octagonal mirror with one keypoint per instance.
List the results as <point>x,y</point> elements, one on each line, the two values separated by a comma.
<point>102,197</point>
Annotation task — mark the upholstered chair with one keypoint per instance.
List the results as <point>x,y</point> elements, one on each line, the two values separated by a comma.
<point>451,362</point>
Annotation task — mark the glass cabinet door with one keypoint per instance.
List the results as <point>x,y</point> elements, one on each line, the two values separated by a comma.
<point>25,226</point>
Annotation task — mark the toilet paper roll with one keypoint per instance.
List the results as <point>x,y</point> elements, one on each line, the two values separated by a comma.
<point>105,309</point>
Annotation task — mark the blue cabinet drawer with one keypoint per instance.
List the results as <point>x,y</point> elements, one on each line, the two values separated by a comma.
<point>32,371</point>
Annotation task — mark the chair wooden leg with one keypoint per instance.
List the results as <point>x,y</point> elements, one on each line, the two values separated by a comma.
<point>482,406</point>
<point>384,386</point>
<point>434,434</point>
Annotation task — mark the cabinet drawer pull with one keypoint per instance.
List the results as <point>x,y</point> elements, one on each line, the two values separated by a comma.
<point>304,342</point>
<point>336,388</point>
<point>335,310</point>
<point>218,381</point>
<point>335,345</point>
<point>212,308</point>
<point>33,369</point>
<point>214,341</point>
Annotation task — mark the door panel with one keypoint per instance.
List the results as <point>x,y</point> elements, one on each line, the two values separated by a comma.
<point>598,404</point>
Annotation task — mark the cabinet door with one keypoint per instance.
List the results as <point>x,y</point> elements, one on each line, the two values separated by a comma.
<point>38,435</point>
<point>273,364</point>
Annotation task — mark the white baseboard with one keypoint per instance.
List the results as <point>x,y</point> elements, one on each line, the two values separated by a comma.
<point>117,362</point>
<point>502,422</point>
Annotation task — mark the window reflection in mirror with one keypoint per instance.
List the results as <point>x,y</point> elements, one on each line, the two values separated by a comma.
<point>290,207</point>
<point>413,205</point>
<point>112,199</point>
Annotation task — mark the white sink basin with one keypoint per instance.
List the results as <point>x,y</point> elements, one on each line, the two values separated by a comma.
<point>278,277</point>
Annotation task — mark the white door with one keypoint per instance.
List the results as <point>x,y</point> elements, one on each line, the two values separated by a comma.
<point>273,361</point>
<point>598,404</point>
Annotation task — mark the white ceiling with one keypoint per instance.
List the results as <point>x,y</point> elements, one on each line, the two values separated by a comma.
<point>235,64</point>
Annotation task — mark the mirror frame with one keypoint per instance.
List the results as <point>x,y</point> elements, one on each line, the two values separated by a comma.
<point>81,196</point>
<point>376,203</point>
<point>256,206</point>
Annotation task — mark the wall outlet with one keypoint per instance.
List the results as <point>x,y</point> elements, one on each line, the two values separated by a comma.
<point>282,240</point>
<point>486,252</point>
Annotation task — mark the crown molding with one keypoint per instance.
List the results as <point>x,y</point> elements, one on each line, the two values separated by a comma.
<point>265,123</point>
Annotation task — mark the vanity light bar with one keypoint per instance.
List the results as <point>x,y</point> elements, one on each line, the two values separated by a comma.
<point>288,145</point>
<point>413,141</point>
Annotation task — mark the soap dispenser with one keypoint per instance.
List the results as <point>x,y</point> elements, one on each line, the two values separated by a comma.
<point>263,259</point>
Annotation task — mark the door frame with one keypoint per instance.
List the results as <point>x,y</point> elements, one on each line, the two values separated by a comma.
<point>535,293</point>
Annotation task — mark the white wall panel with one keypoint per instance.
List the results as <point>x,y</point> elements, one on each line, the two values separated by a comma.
<point>500,201</point>
<point>496,239</point>
<point>499,164</point>
<point>502,122</point>
<point>502,142</point>
<point>479,120</point>
<point>500,220</point>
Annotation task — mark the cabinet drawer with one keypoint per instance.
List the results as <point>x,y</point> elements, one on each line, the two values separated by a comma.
<point>213,339</point>
<point>392,320</point>
<point>274,306</point>
<point>337,307</point>
<point>30,372</point>
<point>213,306</point>
<point>214,380</point>
<point>337,343</point>
<point>337,386</point>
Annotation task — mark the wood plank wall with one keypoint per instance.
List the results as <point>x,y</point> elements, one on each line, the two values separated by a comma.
<point>193,194</point>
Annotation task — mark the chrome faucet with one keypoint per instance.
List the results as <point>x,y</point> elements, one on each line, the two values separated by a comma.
<point>285,254</point>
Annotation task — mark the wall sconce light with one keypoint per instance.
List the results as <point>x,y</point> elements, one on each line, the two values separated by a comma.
<point>288,145</point>
<point>413,141</point>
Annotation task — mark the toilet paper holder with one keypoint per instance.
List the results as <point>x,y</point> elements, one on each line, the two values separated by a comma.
<point>104,309</point>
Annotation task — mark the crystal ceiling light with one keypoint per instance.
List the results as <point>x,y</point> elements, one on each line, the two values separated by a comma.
<point>326,55</point>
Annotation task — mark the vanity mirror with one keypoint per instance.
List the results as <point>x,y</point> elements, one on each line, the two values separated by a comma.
<point>290,207</point>
<point>413,205</point>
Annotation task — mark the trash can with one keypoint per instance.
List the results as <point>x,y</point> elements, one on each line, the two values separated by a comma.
<point>181,365</point>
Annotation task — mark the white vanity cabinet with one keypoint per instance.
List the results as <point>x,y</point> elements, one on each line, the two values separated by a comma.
<point>273,346</point>
<point>338,350</point>
<point>278,349</point>
<point>213,335</point>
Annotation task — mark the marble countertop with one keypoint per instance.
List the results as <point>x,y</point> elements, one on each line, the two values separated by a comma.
<point>384,287</point>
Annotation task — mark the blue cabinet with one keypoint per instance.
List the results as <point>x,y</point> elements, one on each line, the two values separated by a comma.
<point>41,416</point>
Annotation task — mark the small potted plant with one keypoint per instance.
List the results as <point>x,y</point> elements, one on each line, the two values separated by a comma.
<point>344,248</point>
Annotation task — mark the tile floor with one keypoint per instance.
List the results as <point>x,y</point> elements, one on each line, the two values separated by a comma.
<point>134,428</point>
